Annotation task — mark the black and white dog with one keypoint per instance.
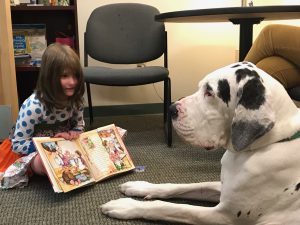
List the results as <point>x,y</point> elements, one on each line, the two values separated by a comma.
<point>246,111</point>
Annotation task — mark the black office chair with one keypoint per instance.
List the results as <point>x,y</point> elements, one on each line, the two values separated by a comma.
<point>126,33</point>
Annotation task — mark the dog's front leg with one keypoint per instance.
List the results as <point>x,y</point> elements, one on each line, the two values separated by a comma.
<point>127,208</point>
<point>205,191</point>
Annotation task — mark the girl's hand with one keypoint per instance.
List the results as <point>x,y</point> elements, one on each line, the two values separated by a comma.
<point>68,135</point>
<point>64,135</point>
<point>74,134</point>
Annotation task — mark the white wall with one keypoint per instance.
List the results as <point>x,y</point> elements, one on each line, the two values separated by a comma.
<point>194,49</point>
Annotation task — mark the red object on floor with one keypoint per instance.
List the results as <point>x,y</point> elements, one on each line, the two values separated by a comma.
<point>7,156</point>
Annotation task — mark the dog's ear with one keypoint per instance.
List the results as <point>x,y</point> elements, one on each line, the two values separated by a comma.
<point>253,115</point>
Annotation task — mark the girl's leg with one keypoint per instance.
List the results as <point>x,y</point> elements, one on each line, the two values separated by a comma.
<point>37,166</point>
<point>276,40</point>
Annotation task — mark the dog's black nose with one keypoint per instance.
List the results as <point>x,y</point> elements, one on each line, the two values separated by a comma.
<point>173,111</point>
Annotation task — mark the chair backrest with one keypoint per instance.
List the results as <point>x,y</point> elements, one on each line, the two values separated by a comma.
<point>124,33</point>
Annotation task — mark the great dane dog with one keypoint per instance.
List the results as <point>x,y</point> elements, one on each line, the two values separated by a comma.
<point>243,109</point>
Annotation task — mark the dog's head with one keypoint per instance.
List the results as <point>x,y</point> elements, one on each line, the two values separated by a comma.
<point>232,107</point>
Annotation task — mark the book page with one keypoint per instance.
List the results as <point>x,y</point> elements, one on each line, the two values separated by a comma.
<point>67,163</point>
<point>49,169</point>
<point>106,152</point>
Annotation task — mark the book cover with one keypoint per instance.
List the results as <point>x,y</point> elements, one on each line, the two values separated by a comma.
<point>29,39</point>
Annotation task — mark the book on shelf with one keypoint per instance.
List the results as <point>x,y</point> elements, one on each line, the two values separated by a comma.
<point>29,39</point>
<point>22,59</point>
<point>94,156</point>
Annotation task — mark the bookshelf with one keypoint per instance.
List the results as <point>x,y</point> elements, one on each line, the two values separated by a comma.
<point>58,19</point>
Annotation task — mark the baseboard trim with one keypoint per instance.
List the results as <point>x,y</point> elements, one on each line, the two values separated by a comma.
<point>120,110</point>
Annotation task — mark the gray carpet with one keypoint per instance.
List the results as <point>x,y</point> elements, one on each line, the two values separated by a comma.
<point>38,204</point>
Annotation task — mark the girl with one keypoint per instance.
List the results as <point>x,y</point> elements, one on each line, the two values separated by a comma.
<point>54,109</point>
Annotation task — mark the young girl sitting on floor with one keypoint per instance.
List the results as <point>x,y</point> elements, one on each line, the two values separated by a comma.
<point>54,109</point>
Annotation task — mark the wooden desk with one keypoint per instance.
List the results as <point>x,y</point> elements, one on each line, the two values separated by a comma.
<point>243,16</point>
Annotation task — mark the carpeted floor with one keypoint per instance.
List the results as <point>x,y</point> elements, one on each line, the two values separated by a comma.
<point>38,204</point>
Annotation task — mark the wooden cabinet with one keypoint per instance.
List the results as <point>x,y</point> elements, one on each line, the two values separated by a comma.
<point>58,19</point>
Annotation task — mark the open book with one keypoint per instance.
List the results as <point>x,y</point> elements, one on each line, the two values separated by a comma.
<point>94,156</point>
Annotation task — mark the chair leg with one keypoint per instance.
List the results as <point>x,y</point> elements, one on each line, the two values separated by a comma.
<point>167,114</point>
<point>166,85</point>
<point>88,89</point>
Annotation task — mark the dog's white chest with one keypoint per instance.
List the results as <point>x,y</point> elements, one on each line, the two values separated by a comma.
<point>262,178</point>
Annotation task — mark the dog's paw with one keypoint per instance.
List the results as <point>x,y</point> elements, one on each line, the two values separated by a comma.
<point>142,189</point>
<point>123,208</point>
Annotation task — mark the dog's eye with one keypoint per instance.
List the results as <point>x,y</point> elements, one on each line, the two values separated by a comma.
<point>208,94</point>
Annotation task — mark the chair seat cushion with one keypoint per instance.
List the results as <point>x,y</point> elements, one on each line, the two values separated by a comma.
<point>124,77</point>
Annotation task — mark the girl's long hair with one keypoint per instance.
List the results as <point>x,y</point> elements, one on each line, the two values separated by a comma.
<point>57,60</point>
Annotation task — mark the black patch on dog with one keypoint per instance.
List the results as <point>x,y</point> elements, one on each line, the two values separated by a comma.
<point>239,214</point>
<point>208,87</point>
<point>239,92</point>
<point>253,94</point>
<point>224,90</point>
<point>245,132</point>
<point>247,63</point>
<point>236,65</point>
<point>248,213</point>
<point>242,73</point>
<point>297,187</point>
